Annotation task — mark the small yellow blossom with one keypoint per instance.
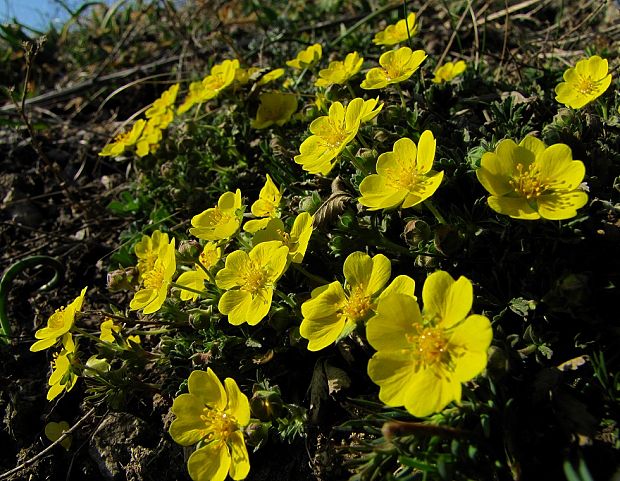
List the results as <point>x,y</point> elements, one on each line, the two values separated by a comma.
<point>296,241</point>
<point>124,140</point>
<point>148,143</point>
<point>244,75</point>
<point>334,311</point>
<point>320,101</point>
<point>532,181</point>
<point>340,72</point>
<point>370,110</point>
<point>108,328</point>
<point>58,324</point>
<point>396,66</point>
<point>397,32</point>
<point>63,375</point>
<point>212,414</point>
<point>222,75</point>
<point>195,279</point>
<point>269,77</point>
<point>423,358</point>
<point>147,250</point>
<point>249,281</point>
<point>448,71</point>
<point>219,222</point>
<point>156,281</point>
<point>275,108</point>
<point>331,134</point>
<point>584,82</point>
<point>404,176</point>
<point>163,108</point>
<point>307,58</point>
<point>267,206</point>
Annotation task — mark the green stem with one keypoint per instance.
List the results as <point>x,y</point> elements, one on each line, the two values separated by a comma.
<point>355,162</point>
<point>430,206</point>
<point>189,289</point>
<point>301,75</point>
<point>285,298</point>
<point>152,332</point>
<point>206,271</point>
<point>309,275</point>
<point>351,91</point>
<point>403,104</point>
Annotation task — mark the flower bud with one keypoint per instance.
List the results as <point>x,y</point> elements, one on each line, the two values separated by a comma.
<point>417,231</point>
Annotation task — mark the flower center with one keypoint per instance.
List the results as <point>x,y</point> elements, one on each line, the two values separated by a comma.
<point>430,346</point>
<point>218,424</point>
<point>402,179</point>
<point>122,137</point>
<point>56,320</point>
<point>358,304</point>
<point>336,135</point>
<point>528,182</point>
<point>255,279</point>
<point>586,86</point>
<point>209,258</point>
<point>154,278</point>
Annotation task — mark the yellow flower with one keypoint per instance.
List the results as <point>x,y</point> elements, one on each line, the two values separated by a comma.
<point>370,110</point>
<point>212,414</point>
<point>307,58</point>
<point>333,311</point>
<point>222,75</point>
<point>156,281</point>
<point>108,328</point>
<point>124,140</point>
<point>195,279</point>
<point>269,77</point>
<point>150,138</point>
<point>397,32</point>
<point>163,108</point>
<point>404,176</point>
<point>249,281</point>
<point>266,206</point>
<point>243,75</point>
<point>320,101</point>
<point>275,108</point>
<point>59,324</point>
<point>193,97</point>
<point>219,222</point>
<point>296,241</point>
<point>331,134</point>
<point>63,376</point>
<point>422,358</point>
<point>448,71</point>
<point>147,250</point>
<point>533,181</point>
<point>396,66</point>
<point>340,72</point>
<point>584,82</point>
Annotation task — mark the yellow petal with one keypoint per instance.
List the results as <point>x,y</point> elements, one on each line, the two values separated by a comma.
<point>321,332</point>
<point>376,194</point>
<point>422,190</point>
<point>400,285</point>
<point>235,305</point>
<point>325,301</point>
<point>471,339</point>
<point>43,344</point>
<point>240,465</point>
<point>561,206</point>
<point>426,152</point>
<point>210,463</point>
<point>231,275</point>
<point>558,168</point>
<point>238,405</point>
<point>515,207</point>
<point>259,307</point>
<point>194,280</point>
<point>431,392</point>
<point>450,300</point>
<point>207,388</point>
<point>533,144</point>
<point>397,315</point>
<point>393,373</point>
<point>187,428</point>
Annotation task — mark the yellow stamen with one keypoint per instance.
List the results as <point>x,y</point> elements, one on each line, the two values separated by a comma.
<point>358,304</point>
<point>154,278</point>
<point>430,347</point>
<point>528,182</point>
<point>255,279</point>
<point>219,425</point>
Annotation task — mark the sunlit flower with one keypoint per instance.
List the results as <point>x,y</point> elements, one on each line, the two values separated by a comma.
<point>320,101</point>
<point>147,250</point>
<point>448,71</point>
<point>219,222</point>
<point>108,329</point>
<point>533,181</point>
<point>63,375</point>
<point>148,143</point>
<point>249,281</point>
<point>269,77</point>
<point>296,241</point>
<point>423,358</point>
<point>163,108</point>
<point>339,72</point>
<point>584,82</point>
<point>124,140</point>
<point>156,281</point>
<point>275,108</point>
<point>266,207</point>
<point>307,58</point>
<point>334,311</point>
<point>213,415</point>
<point>370,110</point>
<point>404,176</point>
<point>396,66</point>
<point>222,75</point>
<point>397,32</point>
<point>58,324</point>
<point>331,134</point>
<point>195,279</point>
<point>243,75</point>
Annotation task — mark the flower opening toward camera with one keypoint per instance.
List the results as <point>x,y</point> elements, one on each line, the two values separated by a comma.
<point>219,222</point>
<point>147,250</point>
<point>212,415</point>
<point>249,280</point>
<point>155,282</point>
<point>398,32</point>
<point>396,66</point>
<point>339,72</point>
<point>221,76</point>
<point>423,357</point>
<point>58,324</point>
<point>404,176</point>
<point>275,108</point>
<point>124,140</point>
<point>584,82</point>
<point>334,311</point>
<point>448,71</point>
<point>307,58</point>
<point>266,207</point>
<point>532,181</point>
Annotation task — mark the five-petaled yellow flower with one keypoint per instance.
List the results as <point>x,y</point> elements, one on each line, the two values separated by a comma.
<point>448,71</point>
<point>532,181</point>
<point>147,250</point>
<point>296,241</point>
<point>398,32</point>
<point>221,76</point>
<point>584,82</point>
<point>219,222</point>
<point>331,134</point>
<point>396,66</point>
<point>404,176</point>
<point>266,207</point>
<point>422,358</point>
<point>63,375</point>
<point>333,311</point>
<point>307,58</point>
<point>212,415</point>
<point>195,279</point>
<point>58,324</point>
<point>163,108</point>
<point>124,140</point>
<point>156,281</point>
<point>275,108</point>
<point>340,72</point>
<point>249,280</point>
